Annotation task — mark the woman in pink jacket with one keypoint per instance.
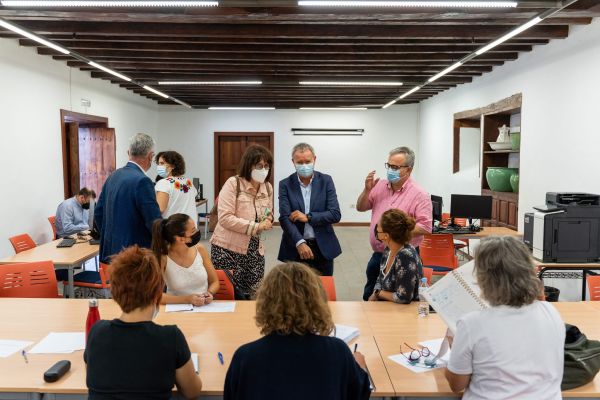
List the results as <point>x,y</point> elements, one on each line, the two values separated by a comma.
<point>245,210</point>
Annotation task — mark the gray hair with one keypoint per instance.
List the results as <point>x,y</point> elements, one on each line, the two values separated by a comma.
<point>140,145</point>
<point>408,154</point>
<point>505,272</point>
<point>301,147</point>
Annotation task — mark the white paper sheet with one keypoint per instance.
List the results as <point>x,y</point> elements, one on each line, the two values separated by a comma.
<point>60,342</point>
<point>214,307</point>
<point>346,333</point>
<point>195,362</point>
<point>10,347</point>
<point>434,346</point>
<point>178,307</point>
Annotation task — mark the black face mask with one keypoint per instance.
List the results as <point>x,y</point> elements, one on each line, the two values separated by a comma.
<point>85,206</point>
<point>195,239</point>
<point>376,236</point>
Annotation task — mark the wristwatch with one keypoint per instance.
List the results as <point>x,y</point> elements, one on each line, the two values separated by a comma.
<point>309,217</point>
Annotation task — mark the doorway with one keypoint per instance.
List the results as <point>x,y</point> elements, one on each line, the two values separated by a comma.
<point>89,151</point>
<point>229,148</point>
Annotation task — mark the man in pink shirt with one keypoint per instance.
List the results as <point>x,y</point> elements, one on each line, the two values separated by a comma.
<point>399,191</point>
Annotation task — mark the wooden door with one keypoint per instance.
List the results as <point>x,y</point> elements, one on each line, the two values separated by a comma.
<point>229,148</point>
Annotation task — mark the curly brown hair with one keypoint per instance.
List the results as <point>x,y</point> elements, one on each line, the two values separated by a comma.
<point>172,158</point>
<point>136,279</point>
<point>292,299</point>
<point>398,225</point>
<point>253,155</point>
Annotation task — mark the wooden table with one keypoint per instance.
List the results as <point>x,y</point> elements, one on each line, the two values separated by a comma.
<point>207,334</point>
<point>583,267</point>
<point>486,231</point>
<point>62,257</point>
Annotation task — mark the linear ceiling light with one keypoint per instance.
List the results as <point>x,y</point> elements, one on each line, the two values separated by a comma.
<point>444,72</point>
<point>31,36</point>
<point>241,108</point>
<point>183,103</point>
<point>148,88</point>
<point>348,83</point>
<point>453,4</point>
<point>106,3</point>
<point>335,108</point>
<point>201,83</point>
<point>509,35</point>
<point>110,71</point>
<point>411,91</point>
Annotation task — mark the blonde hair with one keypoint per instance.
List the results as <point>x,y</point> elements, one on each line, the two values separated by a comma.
<point>505,272</point>
<point>292,299</point>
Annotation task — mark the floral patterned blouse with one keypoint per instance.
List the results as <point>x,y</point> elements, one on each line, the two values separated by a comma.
<point>403,277</point>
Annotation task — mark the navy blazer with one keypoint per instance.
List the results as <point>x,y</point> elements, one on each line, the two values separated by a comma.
<point>125,211</point>
<point>324,211</point>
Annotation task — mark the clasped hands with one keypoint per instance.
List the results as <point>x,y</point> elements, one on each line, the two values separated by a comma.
<point>303,250</point>
<point>200,299</point>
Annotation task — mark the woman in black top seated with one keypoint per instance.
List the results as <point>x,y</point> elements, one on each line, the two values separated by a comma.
<point>296,358</point>
<point>401,267</point>
<point>132,357</point>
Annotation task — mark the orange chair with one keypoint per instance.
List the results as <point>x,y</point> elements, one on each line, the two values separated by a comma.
<point>32,280</point>
<point>52,220</point>
<point>225,287</point>
<point>22,242</point>
<point>329,285</point>
<point>93,279</point>
<point>428,273</point>
<point>593,282</point>
<point>458,243</point>
<point>437,252</point>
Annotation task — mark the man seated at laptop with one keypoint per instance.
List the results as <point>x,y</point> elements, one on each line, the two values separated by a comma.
<point>72,214</point>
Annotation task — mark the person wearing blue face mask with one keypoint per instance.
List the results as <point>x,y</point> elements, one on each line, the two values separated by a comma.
<point>308,207</point>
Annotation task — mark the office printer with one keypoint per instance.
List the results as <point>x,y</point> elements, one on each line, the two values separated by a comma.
<point>565,229</point>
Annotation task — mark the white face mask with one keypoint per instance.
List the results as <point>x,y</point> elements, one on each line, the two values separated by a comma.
<point>155,313</point>
<point>259,175</point>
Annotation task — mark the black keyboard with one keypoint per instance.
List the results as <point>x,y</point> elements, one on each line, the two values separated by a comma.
<point>66,242</point>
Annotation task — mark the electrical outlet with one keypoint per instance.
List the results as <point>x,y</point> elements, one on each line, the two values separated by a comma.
<point>86,103</point>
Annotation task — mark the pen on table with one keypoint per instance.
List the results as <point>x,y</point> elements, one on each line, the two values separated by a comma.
<point>220,358</point>
<point>24,354</point>
<point>355,347</point>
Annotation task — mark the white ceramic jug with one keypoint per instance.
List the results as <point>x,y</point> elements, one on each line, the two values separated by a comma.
<point>504,136</point>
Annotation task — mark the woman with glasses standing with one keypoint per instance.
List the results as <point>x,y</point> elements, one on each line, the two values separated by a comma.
<point>400,267</point>
<point>245,211</point>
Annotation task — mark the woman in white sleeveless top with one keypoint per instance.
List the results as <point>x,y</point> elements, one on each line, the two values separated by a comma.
<point>189,273</point>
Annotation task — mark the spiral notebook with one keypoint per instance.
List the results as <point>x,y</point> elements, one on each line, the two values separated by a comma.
<point>455,295</point>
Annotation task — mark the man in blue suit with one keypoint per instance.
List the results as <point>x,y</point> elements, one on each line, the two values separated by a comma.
<point>308,207</point>
<point>127,205</point>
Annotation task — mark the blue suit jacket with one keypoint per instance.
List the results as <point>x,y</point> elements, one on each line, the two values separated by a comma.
<point>324,211</point>
<point>125,211</point>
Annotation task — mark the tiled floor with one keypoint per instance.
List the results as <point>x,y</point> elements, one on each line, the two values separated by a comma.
<point>349,269</point>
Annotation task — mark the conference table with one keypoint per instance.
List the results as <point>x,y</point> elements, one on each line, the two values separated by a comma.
<point>383,327</point>
<point>484,232</point>
<point>63,257</point>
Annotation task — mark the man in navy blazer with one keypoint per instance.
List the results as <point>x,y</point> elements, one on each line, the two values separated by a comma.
<point>308,207</point>
<point>127,205</point>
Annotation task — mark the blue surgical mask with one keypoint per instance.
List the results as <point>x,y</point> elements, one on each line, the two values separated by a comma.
<point>393,176</point>
<point>161,170</point>
<point>305,170</point>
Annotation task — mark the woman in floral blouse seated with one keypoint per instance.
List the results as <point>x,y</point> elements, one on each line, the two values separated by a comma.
<point>401,267</point>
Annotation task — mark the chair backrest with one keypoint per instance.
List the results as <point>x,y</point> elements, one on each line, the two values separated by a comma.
<point>225,287</point>
<point>428,273</point>
<point>52,220</point>
<point>593,283</point>
<point>460,221</point>
<point>22,242</point>
<point>36,279</point>
<point>329,285</point>
<point>105,271</point>
<point>438,250</point>
<point>445,219</point>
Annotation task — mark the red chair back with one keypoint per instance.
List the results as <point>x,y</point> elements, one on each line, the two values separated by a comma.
<point>593,283</point>
<point>428,273</point>
<point>329,285</point>
<point>31,280</point>
<point>22,242</point>
<point>225,287</point>
<point>52,220</point>
<point>438,250</point>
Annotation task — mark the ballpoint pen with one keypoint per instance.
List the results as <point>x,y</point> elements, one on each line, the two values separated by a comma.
<point>220,358</point>
<point>355,347</point>
<point>24,354</point>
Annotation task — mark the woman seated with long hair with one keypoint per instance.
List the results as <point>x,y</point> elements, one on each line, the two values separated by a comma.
<point>131,357</point>
<point>189,273</point>
<point>514,349</point>
<point>296,358</point>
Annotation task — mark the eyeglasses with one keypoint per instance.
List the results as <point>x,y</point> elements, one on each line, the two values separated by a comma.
<point>415,355</point>
<point>395,167</point>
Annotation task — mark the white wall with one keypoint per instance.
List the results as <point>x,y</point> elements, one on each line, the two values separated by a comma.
<point>347,159</point>
<point>559,140</point>
<point>33,89</point>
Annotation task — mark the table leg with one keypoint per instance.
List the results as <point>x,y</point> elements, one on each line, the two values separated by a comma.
<point>583,284</point>
<point>71,282</point>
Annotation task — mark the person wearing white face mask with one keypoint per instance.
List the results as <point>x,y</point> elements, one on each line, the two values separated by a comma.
<point>175,193</point>
<point>245,210</point>
<point>159,354</point>
<point>308,208</point>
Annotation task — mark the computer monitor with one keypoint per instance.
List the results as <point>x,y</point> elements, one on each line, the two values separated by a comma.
<point>437,203</point>
<point>196,183</point>
<point>471,206</point>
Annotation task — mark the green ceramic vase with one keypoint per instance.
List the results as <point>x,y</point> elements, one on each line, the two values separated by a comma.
<point>514,182</point>
<point>498,178</point>
<point>515,140</point>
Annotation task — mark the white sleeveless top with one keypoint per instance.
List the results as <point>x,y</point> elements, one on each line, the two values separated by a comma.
<point>183,281</point>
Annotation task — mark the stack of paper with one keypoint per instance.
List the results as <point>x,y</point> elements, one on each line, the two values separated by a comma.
<point>10,347</point>
<point>195,362</point>
<point>62,342</point>
<point>214,307</point>
<point>346,333</point>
